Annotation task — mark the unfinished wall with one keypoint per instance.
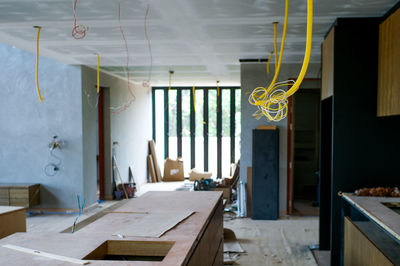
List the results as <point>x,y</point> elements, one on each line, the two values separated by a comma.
<point>254,75</point>
<point>131,128</point>
<point>27,125</point>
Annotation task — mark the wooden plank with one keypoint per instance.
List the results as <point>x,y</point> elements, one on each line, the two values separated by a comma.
<point>151,169</point>
<point>389,66</point>
<point>34,195</point>
<point>249,186</point>
<point>19,202</point>
<point>359,250</point>
<point>266,127</point>
<point>12,220</point>
<point>328,52</point>
<point>47,255</point>
<point>155,161</point>
<point>16,185</point>
<point>4,202</point>
<point>152,224</point>
<point>4,193</point>
<point>19,193</point>
<point>9,209</point>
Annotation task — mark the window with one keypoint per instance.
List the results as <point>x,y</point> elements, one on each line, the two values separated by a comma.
<point>203,128</point>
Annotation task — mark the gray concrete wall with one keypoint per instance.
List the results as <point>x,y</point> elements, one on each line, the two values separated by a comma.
<point>254,75</point>
<point>131,128</point>
<point>89,136</point>
<point>27,125</point>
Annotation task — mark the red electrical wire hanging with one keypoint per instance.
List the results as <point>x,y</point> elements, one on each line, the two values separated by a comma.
<point>126,105</point>
<point>78,31</point>
<point>148,44</point>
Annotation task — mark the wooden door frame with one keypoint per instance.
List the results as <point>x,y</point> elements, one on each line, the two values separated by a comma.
<point>290,149</point>
<point>100,119</point>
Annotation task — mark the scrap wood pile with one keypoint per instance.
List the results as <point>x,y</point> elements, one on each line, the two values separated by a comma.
<point>173,169</point>
<point>122,189</point>
<point>152,164</point>
<point>226,185</point>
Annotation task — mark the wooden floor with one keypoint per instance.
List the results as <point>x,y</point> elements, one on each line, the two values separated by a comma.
<point>282,242</point>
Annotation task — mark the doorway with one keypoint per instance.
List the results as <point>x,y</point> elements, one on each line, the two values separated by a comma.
<point>303,150</point>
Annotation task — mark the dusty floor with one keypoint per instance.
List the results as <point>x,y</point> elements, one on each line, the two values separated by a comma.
<point>282,242</point>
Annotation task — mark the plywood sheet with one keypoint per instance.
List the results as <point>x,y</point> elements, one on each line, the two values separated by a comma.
<point>155,161</point>
<point>150,166</point>
<point>328,65</point>
<point>12,220</point>
<point>152,224</point>
<point>6,209</point>
<point>389,66</point>
<point>359,250</point>
<point>249,193</point>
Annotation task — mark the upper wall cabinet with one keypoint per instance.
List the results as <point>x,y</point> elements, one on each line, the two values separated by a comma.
<point>327,65</point>
<point>389,66</point>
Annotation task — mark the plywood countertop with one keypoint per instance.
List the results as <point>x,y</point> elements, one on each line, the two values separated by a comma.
<point>8,209</point>
<point>372,207</point>
<point>78,245</point>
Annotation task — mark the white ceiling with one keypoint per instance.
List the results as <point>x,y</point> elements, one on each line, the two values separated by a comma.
<point>201,40</point>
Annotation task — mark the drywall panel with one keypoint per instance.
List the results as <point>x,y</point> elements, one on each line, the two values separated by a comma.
<point>254,75</point>
<point>27,125</point>
<point>328,52</point>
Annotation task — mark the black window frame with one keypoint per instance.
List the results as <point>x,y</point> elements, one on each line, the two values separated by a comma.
<point>193,123</point>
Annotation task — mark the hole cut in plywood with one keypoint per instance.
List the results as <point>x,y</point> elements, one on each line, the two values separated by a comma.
<point>131,250</point>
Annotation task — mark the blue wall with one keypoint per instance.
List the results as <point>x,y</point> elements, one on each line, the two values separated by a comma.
<point>27,125</point>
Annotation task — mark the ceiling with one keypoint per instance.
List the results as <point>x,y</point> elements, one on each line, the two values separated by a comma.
<point>201,40</point>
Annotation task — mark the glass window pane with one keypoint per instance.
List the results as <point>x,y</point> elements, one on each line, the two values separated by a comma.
<point>159,117</point>
<point>172,110</point>
<point>226,132</point>
<point>186,131</point>
<point>212,132</point>
<point>237,123</point>
<point>199,146</point>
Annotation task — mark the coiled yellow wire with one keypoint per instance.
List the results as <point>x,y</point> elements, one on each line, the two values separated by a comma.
<point>272,101</point>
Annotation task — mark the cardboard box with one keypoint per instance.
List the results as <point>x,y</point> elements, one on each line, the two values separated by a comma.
<point>173,170</point>
<point>195,175</point>
<point>226,193</point>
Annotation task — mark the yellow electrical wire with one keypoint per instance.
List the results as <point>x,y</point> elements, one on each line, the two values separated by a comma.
<point>307,54</point>
<point>278,67</point>
<point>170,76</point>
<point>194,98</point>
<point>275,44</point>
<point>269,60</point>
<point>217,87</point>
<point>37,64</point>
<point>272,102</point>
<point>98,73</point>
